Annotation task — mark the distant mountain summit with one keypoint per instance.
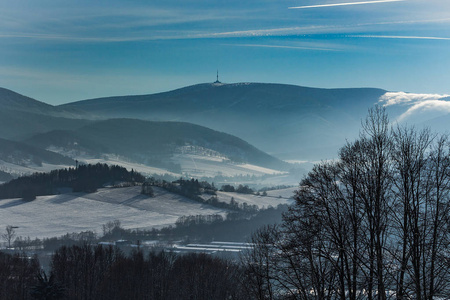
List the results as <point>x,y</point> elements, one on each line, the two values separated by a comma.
<point>78,134</point>
<point>286,120</point>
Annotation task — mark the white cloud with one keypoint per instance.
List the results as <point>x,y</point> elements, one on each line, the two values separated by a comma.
<point>344,4</point>
<point>420,106</point>
<point>441,107</point>
<point>394,98</point>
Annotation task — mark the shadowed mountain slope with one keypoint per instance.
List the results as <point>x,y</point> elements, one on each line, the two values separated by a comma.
<point>147,141</point>
<point>277,118</point>
<point>22,154</point>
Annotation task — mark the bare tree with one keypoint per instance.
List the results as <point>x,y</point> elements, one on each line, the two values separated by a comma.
<point>438,199</point>
<point>259,264</point>
<point>372,225</point>
<point>111,227</point>
<point>9,235</point>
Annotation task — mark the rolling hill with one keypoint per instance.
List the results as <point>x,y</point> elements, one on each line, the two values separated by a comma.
<point>81,212</point>
<point>285,120</point>
<point>166,145</point>
<point>20,153</point>
<point>18,158</point>
<point>154,143</point>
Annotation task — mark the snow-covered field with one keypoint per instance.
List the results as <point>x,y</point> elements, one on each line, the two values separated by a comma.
<point>200,166</point>
<point>191,164</point>
<point>210,166</point>
<point>49,216</point>
<point>283,193</point>
<point>19,170</point>
<point>273,198</point>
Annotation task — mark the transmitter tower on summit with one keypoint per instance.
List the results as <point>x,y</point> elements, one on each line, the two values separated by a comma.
<point>217,77</point>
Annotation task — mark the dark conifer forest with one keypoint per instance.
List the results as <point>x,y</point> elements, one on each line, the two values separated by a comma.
<point>83,178</point>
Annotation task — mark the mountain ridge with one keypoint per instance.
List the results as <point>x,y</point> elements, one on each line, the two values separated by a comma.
<point>14,101</point>
<point>285,115</point>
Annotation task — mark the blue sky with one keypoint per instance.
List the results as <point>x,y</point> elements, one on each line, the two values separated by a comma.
<point>60,51</point>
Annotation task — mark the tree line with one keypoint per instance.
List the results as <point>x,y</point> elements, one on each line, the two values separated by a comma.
<point>373,224</point>
<point>83,178</point>
<point>86,272</point>
<point>237,226</point>
<point>195,190</point>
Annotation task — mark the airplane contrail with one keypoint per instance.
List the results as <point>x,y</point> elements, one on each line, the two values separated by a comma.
<point>344,4</point>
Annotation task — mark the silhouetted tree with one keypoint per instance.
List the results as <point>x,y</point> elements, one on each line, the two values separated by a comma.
<point>371,224</point>
<point>147,189</point>
<point>17,276</point>
<point>47,288</point>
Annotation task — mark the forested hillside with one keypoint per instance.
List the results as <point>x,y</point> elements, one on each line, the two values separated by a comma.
<point>154,143</point>
<point>23,154</point>
<point>284,119</point>
<point>83,178</point>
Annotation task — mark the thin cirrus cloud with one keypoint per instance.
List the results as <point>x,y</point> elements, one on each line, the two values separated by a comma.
<point>401,37</point>
<point>164,35</point>
<point>283,47</point>
<point>344,4</point>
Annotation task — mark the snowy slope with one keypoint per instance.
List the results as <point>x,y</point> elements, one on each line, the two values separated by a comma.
<point>210,166</point>
<point>49,216</point>
<point>273,198</point>
<point>191,165</point>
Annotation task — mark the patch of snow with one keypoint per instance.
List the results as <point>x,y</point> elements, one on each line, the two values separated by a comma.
<point>282,193</point>
<point>273,198</point>
<point>260,169</point>
<point>20,170</point>
<point>203,166</point>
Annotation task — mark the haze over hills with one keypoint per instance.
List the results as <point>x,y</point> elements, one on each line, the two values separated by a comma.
<point>169,146</point>
<point>22,116</point>
<point>20,153</point>
<point>286,120</point>
<point>289,122</point>
<point>154,143</point>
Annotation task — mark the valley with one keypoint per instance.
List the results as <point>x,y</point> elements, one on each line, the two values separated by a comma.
<point>205,131</point>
